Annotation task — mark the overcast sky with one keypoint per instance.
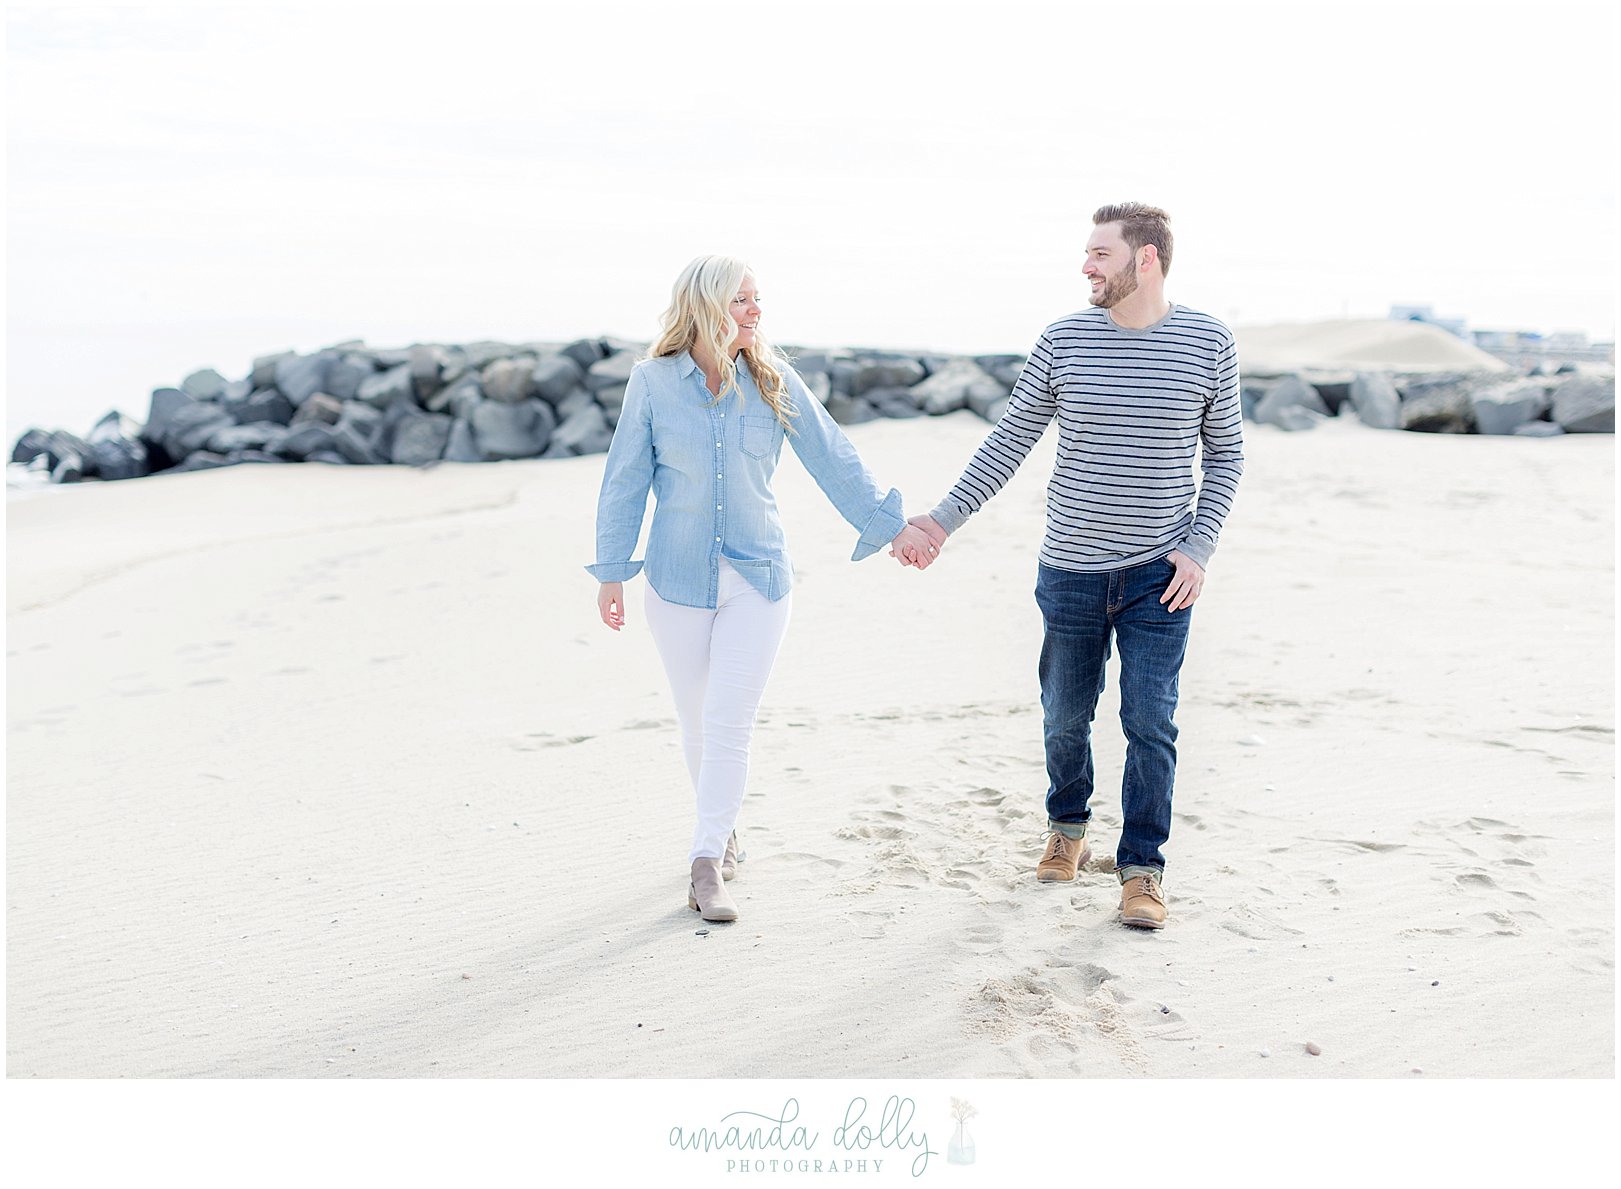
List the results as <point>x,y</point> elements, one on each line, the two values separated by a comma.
<point>193,186</point>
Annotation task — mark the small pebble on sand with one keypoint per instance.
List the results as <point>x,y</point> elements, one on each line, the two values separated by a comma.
<point>1436,983</point>
<point>1313,1048</point>
<point>1266,1052</point>
<point>701,933</point>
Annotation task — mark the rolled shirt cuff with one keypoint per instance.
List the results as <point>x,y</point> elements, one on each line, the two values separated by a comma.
<point>615,571</point>
<point>945,514</point>
<point>881,529</point>
<point>1198,549</point>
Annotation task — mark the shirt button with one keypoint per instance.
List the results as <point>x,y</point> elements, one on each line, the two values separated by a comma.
<point>717,538</point>
<point>717,474</point>
<point>717,507</point>
<point>717,443</point>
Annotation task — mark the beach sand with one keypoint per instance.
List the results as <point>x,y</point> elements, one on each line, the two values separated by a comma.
<point>333,772</point>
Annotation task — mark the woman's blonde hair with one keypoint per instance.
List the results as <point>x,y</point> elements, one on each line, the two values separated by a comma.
<point>700,314</point>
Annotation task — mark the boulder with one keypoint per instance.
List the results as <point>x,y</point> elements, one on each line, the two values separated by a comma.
<point>256,436</point>
<point>166,402</point>
<point>586,352</point>
<point>351,442</point>
<point>462,447</point>
<point>240,456</point>
<point>893,402</point>
<point>612,401</point>
<point>481,354</point>
<point>420,438</point>
<point>585,432</point>
<point>819,382</point>
<point>850,410</point>
<point>330,457</point>
<point>1501,408</point>
<point>264,369</point>
<point>508,381</point>
<point>884,371</point>
<point>305,440</point>
<point>343,379</point>
<point>113,426</point>
<point>1291,404</point>
<point>33,444</point>
<point>572,403</point>
<point>428,365</point>
<point>206,384</point>
<point>1441,405</point>
<point>467,389</point>
<point>1539,429</point>
<point>200,460</point>
<point>320,406</point>
<point>612,372</point>
<point>953,384</point>
<point>555,376</point>
<point>300,377</point>
<point>190,427</point>
<point>505,431</point>
<point>265,405</point>
<point>1004,369</point>
<point>121,458</point>
<point>382,389</point>
<point>1375,400</point>
<point>991,411</point>
<point>1585,403</point>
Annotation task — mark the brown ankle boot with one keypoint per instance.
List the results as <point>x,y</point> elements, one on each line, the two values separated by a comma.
<point>1062,858</point>
<point>732,857</point>
<point>1142,903</point>
<point>707,893</point>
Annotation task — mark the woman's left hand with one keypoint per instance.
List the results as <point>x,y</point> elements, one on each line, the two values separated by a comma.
<point>611,604</point>
<point>912,547</point>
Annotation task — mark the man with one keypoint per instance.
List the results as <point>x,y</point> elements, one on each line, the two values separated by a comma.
<point>1137,385</point>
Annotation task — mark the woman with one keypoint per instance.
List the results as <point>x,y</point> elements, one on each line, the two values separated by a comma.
<point>702,427</point>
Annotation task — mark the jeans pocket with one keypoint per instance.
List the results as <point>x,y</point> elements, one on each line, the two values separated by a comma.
<point>759,436</point>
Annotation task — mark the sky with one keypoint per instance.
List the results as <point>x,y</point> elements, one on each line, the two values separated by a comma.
<point>191,186</point>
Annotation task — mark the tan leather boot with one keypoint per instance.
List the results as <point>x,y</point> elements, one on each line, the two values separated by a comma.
<point>1062,858</point>
<point>707,893</point>
<point>1142,903</point>
<point>733,856</point>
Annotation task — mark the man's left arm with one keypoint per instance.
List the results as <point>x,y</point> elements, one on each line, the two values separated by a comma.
<point>1221,439</point>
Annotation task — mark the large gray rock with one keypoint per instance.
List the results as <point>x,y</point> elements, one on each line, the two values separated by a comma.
<point>585,352</point>
<point>1004,369</point>
<point>850,410</point>
<point>121,458</point>
<point>113,426</point>
<point>200,460</point>
<point>992,411</point>
<point>467,391</point>
<point>555,376</point>
<point>305,440</point>
<point>612,401</point>
<point>320,406</point>
<point>505,431</point>
<point>1503,408</point>
<point>462,447</point>
<point>428,365</point>
<point>264,369</point>
<point>1539,429</point>
<point>265,405</point>
<point>420,438</point>
<point>1375,400</point>
<point>206,384</point>
<point>33,444</point>
<point>344,377</point>
<point>883,371</point>
<point>259,435</point>
<point>953,385</point>
<point>573,403</point>
<point>586,432</point>
<point>166,402</point>
<point>382,389</point>
<point>189,428</point>
<point>1441,405</point>
<point>1291,404</point>
<point>481,354</point>
<point>819,382</point>
<point>301,376</point>
<point>612,372</point>
<point>508,381</point>
<point>351,442</point>
<point>1585,403</point>
<point>893,402</point>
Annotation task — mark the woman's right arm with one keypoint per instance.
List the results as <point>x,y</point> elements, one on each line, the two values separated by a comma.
<point>627,479</point>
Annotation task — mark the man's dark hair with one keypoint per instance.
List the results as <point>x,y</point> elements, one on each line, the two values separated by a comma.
<point>1140,224</point>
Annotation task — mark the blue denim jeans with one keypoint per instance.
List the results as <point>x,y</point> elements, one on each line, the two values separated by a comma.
<point>1084,614</point>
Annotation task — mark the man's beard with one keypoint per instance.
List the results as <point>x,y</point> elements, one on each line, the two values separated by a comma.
<point>1117,288</point>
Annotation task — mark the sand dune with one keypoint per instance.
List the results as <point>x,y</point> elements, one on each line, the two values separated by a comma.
<point>323,772</point>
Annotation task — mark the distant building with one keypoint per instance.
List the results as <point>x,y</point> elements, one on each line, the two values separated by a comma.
<point>1524,349</point>
<point>1426,315</point>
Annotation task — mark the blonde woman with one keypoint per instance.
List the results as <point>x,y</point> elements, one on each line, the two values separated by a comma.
<point>703,424</point>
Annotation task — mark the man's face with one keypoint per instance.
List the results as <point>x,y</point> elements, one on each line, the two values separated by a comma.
<point>1111,266</point>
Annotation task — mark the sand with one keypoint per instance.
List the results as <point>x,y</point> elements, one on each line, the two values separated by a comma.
<point>1359,344</point>
<point>332,772</point>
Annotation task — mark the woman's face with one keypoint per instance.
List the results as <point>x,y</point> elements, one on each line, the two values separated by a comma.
<point>745,311</point>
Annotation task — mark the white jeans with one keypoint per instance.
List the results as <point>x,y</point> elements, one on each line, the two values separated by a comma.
<point>718,663</point>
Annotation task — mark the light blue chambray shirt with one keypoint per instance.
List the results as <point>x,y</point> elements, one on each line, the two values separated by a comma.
<point>709,467</point>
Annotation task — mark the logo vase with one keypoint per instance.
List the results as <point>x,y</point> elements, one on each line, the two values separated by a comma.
<point>961,1148</point>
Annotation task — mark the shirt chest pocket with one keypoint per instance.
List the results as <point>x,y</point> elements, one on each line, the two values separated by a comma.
<point>760,435</point>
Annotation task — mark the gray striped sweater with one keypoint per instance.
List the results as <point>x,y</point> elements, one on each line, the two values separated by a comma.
<point>1132,408</point>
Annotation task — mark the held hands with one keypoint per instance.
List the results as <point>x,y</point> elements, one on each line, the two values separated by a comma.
<point>919,543</point>
<point>611,604</point>
<point>1186,585</point>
